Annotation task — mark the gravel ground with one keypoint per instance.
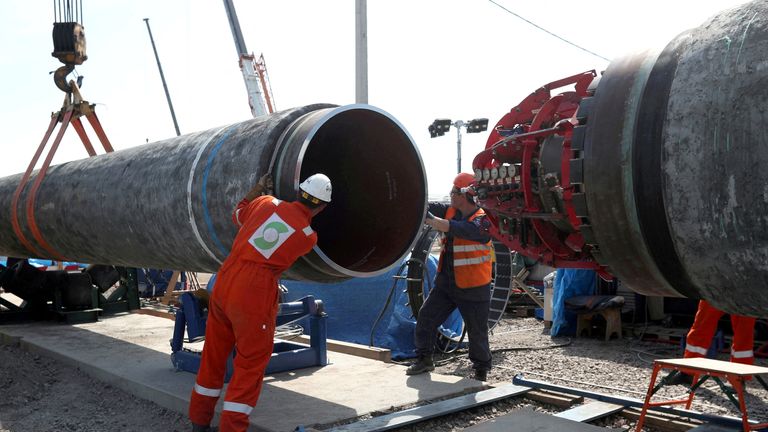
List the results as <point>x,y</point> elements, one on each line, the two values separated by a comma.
<point>618,367</point>
<point>42,395</point>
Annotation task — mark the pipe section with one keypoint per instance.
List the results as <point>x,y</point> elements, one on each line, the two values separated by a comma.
<point>674,166</point>
<point>169,204</point>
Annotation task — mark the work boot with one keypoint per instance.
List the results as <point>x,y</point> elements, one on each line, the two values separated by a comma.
<point>481,374</point>
<point>203,428</point>
<point>423,364</point>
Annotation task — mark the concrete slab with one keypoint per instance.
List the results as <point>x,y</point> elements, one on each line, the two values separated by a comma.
<point>132,352</point>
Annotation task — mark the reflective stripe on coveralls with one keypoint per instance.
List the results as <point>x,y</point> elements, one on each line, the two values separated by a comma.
<point>742,354</point>
<point>237,407</point>
<point>471,260</point>
<point>696,349</point>
<point>243,307</point>
<point>206,391</point>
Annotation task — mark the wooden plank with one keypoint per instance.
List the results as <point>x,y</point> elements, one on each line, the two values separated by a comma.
<point>374,353</point>
<point>528,420</point>
<point>518,282</point>
<point>155,312</point>
<point>662,422</point>
<point>437,409</point>
<point>590,411</point>
<point>168,297</point>
<point>557,399</point>
<point>709,365</point>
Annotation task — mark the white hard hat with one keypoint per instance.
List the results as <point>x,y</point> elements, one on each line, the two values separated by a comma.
<point>317,186</point>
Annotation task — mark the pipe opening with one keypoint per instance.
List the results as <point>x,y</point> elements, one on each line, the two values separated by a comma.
<point>379,189</point>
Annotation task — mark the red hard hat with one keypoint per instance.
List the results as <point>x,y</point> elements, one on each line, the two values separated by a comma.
<point>463,180</point>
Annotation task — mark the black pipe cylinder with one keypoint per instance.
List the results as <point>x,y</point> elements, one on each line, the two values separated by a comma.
<point>675,161</point>
<point>169,204</point>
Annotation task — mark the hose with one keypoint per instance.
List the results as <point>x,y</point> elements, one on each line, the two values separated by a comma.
<point>396,278</point>
<point>445,361</point>
<point>418,270</point>
<point>446,348</point>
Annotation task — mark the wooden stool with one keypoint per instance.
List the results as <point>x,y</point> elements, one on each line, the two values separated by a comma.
<point>612,317</point>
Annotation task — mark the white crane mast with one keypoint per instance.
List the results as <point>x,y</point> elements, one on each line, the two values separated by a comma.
<point>253,70</point>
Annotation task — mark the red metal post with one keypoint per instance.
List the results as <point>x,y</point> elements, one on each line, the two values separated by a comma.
<point>646,404</point>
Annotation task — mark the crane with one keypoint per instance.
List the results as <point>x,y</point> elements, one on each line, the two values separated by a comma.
<point>254,71</point>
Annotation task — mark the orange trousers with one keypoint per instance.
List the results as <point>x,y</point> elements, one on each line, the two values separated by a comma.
<point>241,314</point>
<point>704,327</point>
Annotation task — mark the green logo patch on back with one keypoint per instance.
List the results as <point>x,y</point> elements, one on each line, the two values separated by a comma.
<point>270,235</point>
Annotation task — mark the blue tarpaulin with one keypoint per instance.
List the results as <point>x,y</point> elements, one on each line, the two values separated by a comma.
<point>569,283</point>
<point>353,305</point>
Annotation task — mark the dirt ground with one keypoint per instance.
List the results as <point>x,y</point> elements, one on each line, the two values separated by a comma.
<point>42,395</point>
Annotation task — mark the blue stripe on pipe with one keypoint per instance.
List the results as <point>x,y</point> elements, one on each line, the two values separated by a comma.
<point>206,214</point>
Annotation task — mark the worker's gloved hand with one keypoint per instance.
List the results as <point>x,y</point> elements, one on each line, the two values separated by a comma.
<point>266,182</point>
<point>263,186</point>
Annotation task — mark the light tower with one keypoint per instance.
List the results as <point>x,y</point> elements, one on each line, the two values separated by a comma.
<point>440,126</point>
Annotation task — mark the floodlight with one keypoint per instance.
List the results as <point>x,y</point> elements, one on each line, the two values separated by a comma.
<point>433,131</point>
<point>439,127</point>
<point>477,125</point>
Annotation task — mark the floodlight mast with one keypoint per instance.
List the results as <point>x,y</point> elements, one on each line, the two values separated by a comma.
<point>440,126</point>
<point>458,124</point>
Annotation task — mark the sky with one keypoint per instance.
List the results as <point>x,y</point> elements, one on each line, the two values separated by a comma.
<point>427,59</point>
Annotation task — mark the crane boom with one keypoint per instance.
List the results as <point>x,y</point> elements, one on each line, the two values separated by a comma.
<point>248,66</point>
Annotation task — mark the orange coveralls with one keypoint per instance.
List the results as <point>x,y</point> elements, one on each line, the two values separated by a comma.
<point>243,307</point>
<point>704,326</point>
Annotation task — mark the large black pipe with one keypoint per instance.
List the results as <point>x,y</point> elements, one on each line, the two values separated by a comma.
<point>168,204</point>
<point>675,164</point>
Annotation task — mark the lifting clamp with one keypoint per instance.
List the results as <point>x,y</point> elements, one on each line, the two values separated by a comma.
<point>69,48</point>
<point>73,108</point>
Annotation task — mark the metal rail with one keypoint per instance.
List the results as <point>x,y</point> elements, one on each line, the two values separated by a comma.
<point>627,402</point>
<point>605,405</point>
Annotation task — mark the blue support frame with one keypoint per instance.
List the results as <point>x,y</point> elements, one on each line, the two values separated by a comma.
<point>285,355</point>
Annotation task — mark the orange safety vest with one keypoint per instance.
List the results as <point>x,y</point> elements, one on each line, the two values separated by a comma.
<point>472,264</point>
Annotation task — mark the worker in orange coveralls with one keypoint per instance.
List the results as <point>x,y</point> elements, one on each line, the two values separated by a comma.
<point>704,326</point>
<point>243,307</point>
<point>703,330</point>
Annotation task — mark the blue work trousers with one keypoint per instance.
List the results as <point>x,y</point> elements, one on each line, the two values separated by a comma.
<point>436,309</point>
